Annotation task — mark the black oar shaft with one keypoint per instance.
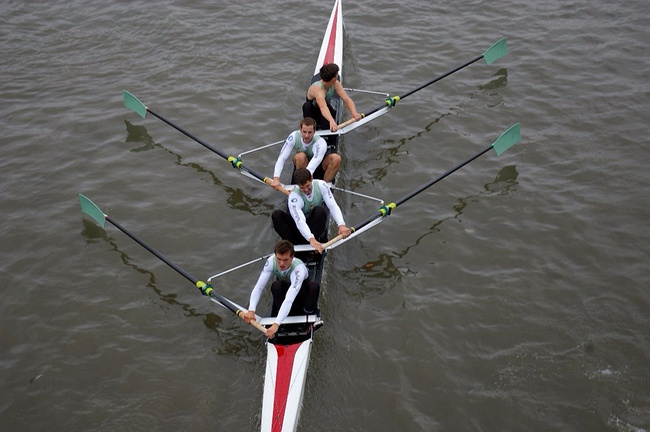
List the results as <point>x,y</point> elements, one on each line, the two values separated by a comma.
<point>153,251</point>
<point>184,132</point>
<point>386,210</point>
<point>446,74</point>
<point>441,77</point>
<point>224,301</point>
<point>432,182</point>
<point>208,146</point>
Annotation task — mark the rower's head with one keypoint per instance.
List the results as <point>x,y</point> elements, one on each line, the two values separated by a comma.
<point>284,253</point>
<point>307,129</point>
<point>329,72</point>
<point>304,180</point>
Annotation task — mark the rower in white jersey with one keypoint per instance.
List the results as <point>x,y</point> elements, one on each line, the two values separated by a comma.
<point>311,153</point>
<point>293,293</point>
<point>307,218</point>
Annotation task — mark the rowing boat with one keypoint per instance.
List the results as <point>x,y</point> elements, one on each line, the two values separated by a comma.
<point>289,351</point>
<point>287,357</point>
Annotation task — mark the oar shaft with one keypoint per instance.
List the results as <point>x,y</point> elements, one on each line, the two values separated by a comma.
<point>418,190</point>
<point>224,301</point>
<point>428,83</point>
<point>184,132</point>
<point>347,122</point>
<point>153,251</point>
<point>221,299</point>
<point>441,77</point>
<point>431,183</point>
<point>90,208</point>
<point>215,150</point>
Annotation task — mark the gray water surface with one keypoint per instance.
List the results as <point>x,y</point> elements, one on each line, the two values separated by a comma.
<point>511,296</point>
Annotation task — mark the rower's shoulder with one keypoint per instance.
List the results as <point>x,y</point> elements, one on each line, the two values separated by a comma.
<point>316,87</point>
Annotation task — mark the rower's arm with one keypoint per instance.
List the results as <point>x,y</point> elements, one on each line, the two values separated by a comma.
<point>331,204</point>
<point>319,95</point>
<point>319,149</point>
<point>256,293</point>
<point>347,100</point>
<point>295,210</point>
<point>284,155</point>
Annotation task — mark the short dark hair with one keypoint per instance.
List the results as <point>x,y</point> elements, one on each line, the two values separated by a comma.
<point>308,121</point>
<point>329,71</point>
<point>302,176</point>
<point>284,246</point>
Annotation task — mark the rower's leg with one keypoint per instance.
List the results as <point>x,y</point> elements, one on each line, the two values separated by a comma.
<point>306,300</point>
<point>317,222</point>
<point>311,296</point>
<point>286,228</point>
<point>331,165</point>
<point>309,110</point>
<point>279,290</point>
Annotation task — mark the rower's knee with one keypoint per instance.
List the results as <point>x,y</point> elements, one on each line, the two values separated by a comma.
<point>333,162</point>
<point>300,160</point>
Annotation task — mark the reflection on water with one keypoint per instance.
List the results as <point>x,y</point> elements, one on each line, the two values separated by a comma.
<point>235,338</point>
<point>237,198</point>
<point>383,269</point>
<point>94,233</point>
<point>504,182</point>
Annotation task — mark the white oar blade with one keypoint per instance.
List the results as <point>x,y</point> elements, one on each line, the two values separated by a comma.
<point>496,51</point>
<point>134,103</point>
<point>507,139</point>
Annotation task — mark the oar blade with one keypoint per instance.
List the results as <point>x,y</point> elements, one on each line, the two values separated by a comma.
<point>496,51</point>
<point>134,103</point>
<point>507,139</point>
<point>89,207</point>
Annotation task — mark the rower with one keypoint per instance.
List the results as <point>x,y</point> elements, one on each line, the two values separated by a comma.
<point>317,103</point>
<point>306,221</point>
<point>293,292</point>
<point>311,153</point>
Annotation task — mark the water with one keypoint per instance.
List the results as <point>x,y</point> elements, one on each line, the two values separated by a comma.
<point>510,296</point>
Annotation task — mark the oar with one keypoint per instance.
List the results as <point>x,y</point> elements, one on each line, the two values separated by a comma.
<point>507,139</point>
<point>495,52</point>
<point>134,103</point>
<point>89,208</point>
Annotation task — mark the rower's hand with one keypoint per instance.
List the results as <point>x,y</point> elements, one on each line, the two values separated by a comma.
<point>356,116</point>
<point>316,245</point>
<point>344,231</point>
<point>275,183</point>
<point>249,316</point>
<point>271,331</point>
<point>333,126</point>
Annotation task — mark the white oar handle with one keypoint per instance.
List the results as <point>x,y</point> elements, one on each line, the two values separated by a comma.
<point>348,122</point>
<point>281,188</point>
<point>331,242</point>
<point>254,323</point>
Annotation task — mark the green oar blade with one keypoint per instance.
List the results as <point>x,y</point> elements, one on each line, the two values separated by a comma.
<point>496,51</point>
<point>134,103</point>
<point>89,207</point>
<point>507,139</point>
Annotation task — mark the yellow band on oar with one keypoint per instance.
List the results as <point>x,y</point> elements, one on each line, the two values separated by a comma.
<point>392,101</point>
<point>236,162</point>
<point>386,209</point>
<point>206,289</point>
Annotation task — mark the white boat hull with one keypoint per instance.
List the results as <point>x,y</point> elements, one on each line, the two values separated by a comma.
<point>286,373</point>
<point>288,358</point>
